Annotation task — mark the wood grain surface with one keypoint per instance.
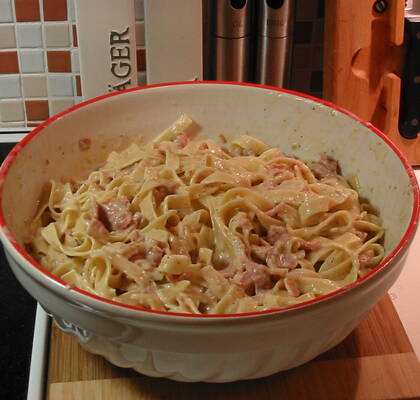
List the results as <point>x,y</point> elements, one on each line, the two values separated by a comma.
<point>363,60</point>
<point>376,361</point>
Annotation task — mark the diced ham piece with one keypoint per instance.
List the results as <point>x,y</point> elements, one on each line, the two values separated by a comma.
<point>136,257</point>
<point>97,230</point>
<point>154,255</point>
<point>138,220</point>
<point>85,143</point>
<point>182,140</point>
<point>256,276</point>
<point>310,245</point>
<point>115,214</point>
<point>276,233</point>
<point>326,167</point>
<point>277,169</point>
<point>177,277</point>
<point>260,252</point>
<point>144,250</point>
<point>257,240</point>
<point>280,260</point>
<point>167,188</point>
<point>292,287</point>
<point>362,235</point>
<point>367,259</point>
<point>133,252</point>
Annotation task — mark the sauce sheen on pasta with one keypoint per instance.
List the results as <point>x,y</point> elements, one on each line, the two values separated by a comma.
<point>194,226</point>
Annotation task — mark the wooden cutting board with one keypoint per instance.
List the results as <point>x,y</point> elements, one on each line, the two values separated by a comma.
<point>375,362</point>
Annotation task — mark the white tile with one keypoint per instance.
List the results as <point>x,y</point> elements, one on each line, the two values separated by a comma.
<point>34,85</point>
<point>20,124</point>
<point>60,85</point>
<point>140,40</point>
<point>6,12</point>
<point>29,35</point>
<point>57,105</point>
<point>56,35</point>
<point>11,110</point>
<point>78,99</point>
<point>139,7</point>
<point>75,61</point>
<point>10,86</point>
<point>7,36</point>
<point>32,61</point>
<point>72,11</point>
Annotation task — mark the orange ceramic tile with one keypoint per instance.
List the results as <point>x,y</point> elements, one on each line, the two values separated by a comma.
<point>55,10</point>
<point>9,62</point>
<point>141,59</point>
<point>37,110</point>
<point>33,124</point>
<point>27,10</point>
<point>74,29</point>
<point>78,85</point>
<point>59,61</point>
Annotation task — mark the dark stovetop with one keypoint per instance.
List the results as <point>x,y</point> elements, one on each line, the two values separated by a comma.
<point>17,317</point>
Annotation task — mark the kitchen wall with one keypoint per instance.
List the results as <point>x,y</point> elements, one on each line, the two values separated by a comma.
<point>39,59</point>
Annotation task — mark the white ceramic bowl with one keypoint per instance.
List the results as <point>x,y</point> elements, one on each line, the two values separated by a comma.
<point>208,348</point>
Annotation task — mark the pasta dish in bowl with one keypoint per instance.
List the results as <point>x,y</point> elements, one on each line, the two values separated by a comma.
<point>193,226</point>
<point>260,214</point>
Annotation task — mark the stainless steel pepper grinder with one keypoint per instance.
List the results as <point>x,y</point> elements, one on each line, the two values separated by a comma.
<point>232,39</point>
<point>275,36</point>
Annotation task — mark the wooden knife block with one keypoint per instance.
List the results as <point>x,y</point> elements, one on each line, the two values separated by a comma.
<point>363,62</point>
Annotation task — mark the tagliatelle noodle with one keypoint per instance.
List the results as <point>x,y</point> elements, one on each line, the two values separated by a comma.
<point>193,226</point>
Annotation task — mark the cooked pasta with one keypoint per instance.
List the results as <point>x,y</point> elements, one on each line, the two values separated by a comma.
<point>193,226</point>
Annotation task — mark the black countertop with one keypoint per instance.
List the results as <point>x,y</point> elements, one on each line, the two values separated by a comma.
<point>17,318</point>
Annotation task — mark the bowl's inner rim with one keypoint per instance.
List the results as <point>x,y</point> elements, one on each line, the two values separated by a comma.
<point>41,273</point>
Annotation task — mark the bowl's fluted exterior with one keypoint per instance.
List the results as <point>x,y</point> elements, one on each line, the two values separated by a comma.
<point>218,350</point>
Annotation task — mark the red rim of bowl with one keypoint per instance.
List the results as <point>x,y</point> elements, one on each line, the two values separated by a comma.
<point>404,241</point>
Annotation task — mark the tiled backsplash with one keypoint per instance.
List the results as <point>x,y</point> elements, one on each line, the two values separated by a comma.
<point>39,59</point>
<point>308,47</point>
